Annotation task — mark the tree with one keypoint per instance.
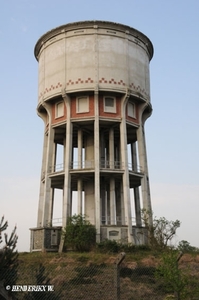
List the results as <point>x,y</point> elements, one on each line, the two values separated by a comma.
<point>162,231</point>
<point>185,246</point>
<point>79,234</point>
<point>8,257</point>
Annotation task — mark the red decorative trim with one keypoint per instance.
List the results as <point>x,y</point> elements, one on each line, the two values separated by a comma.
<point>138,88</point>
<point>79,80</point>
<point>89,80</point>
<point>112,81</point>
<point>52,87</point>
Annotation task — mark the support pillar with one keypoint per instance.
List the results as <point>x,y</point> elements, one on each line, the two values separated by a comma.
<point>79,182</point>
<point>66,211</point>
<point>42,185</point>
<point>136,189</point>
<point>79,143</point>
<point>97,167</point>
<point>112,202</point>
<point>124,158</point>
<point>111,148</point>
<point>48,195</point>
<point>103,201</point>
<point>146,198</point>
<point>79,198</point>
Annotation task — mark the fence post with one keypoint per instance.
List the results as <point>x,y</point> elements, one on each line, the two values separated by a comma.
<point>117,263</point>
<point>177,293</point>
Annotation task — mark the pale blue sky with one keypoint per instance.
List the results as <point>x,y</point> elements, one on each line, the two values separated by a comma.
<point>171,131</point>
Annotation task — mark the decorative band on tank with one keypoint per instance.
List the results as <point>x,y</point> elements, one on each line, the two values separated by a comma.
<point>90,80</point>
<point>138,88</point>
<point>79,80</point>
<point>112,81</point>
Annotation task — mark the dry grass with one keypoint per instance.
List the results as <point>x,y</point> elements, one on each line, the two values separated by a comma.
<point>91,275</point>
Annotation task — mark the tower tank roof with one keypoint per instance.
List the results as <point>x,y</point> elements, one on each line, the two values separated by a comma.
<point>96,24</point>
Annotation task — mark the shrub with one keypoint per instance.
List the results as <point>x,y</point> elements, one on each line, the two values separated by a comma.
<point>108,246</point>
<point>176,280</point>
<point>8,257</point>
<point>79,234</point>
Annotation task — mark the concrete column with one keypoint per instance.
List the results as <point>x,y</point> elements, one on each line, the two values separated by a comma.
<point>80,143</point>
<point>112,202</point>
<point>79,198</point>
<point>134,157</point>
<point>97,138</point>
<point>108,204</point>
<point>136,189</point>
<point>103,201</point>
<point>137,207</point>
<point>89,201</point>
<point>117,156</point>
<point>118,204</point>
<point>66,212</point>
<point>102,150</point>
<point>51,204</point>
<point>47,205</point>
<point>111,149</point>
<point>122,204</point>
<point>42,184</point>
<point>107,159</point>
<point>54,159</point>
<point>89,191</point>
<point>97,166</point>
<point>124,158</point>
<point>146,198</point>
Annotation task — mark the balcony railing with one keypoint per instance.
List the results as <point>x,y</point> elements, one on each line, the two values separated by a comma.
<point>86,164</point>
<point>105,220</point>
<point>56,168</point>
<point>90,164</point>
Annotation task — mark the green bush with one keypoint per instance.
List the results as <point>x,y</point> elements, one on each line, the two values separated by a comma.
<point>79,234</point>
<point>176,280</point>
<point>8,256</point>
<point>108,246</point>
<point>112,246</point>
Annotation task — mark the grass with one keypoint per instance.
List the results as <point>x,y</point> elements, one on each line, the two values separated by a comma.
<point>90,275</point>
<point>28,259</point>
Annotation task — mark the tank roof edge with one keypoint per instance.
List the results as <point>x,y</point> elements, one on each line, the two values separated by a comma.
<point>86,24</point>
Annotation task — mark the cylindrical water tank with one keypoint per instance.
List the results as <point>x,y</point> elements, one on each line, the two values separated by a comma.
<point>93,54</point>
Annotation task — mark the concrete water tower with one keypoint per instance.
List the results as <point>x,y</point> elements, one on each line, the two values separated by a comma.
<point>94,98</point>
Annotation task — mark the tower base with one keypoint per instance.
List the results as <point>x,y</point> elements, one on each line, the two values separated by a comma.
<point>45,239</point>
<point>120,234</point>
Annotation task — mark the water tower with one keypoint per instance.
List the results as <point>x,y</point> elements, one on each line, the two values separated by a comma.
<point>94,98</point>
